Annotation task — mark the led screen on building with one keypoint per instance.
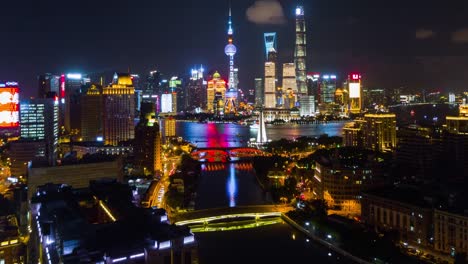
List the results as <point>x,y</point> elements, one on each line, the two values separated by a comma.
<point>354,90</point>
<point>9,106</point>
<point>166,103</point>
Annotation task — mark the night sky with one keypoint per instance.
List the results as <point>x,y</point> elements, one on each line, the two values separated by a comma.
<point>411,43</point>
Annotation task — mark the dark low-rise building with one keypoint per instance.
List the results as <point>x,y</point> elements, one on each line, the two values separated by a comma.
<point>101,224</point>
<point>404,210</point>
<point>342,174</point>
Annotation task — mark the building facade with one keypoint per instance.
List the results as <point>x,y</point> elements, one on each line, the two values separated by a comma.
<point>148,145</point>
<point>259,92</point>
<point>91,114</point>
<point>270,85</point>
<point>39,119</point>
<point>119,110</point>
<point>342,174</point>
<point>401,210</point>
<point>216,93</point>
<point>450,232</point>
<point>300,51</point>
<point>380,132</point>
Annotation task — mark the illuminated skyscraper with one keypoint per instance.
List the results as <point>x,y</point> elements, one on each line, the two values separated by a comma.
<point>270,85</point>
<point>289,78</point>
<point>147,147</point>
<point>119,110</point>
<point>39,120</point>
<point>259,93</point>
<point>216,92</point>
<point>327,89</point>
<point>300,51</point>
<point>91,114</point>
<point>355,93</point>
<point>74,82</point>
<point>169,128</point>
<point>230,50</point>
<point>270,42</point>
<point>196,91</point>
<point>379,132</point>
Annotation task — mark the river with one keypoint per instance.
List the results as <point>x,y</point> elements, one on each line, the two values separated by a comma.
<point>235,135</point>
<point>235,184</point>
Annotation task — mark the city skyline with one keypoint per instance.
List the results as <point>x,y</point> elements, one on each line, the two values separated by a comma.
<point>403,39</point>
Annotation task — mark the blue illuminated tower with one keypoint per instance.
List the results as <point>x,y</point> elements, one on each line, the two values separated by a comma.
<point>230,50</point>
<point>270,42</point>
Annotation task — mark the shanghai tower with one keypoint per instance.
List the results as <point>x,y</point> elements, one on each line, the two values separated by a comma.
<point>300,51</point>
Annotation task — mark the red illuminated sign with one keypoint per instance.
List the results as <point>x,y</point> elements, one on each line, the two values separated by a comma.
<point>62,86</point>
<point>355,76</point>
<point>9,107</point>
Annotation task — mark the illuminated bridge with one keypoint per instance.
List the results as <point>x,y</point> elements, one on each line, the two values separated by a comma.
<point>225,154</point>
<point>215,215</point>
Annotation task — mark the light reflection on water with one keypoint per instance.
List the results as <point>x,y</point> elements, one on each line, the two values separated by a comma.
<point>234,135</point>
<point>232,185</point>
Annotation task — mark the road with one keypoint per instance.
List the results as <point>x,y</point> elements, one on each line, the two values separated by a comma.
<point>158,196</point>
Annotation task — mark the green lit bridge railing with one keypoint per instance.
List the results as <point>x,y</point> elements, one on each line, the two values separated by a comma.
<point>229,213</point>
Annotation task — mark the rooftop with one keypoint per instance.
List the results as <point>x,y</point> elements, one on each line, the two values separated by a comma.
<point>404,194</point>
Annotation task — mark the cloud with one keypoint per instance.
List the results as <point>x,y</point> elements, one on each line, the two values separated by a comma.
<point>266,12</point>
<point>460,36</point>
<point>424,33</point>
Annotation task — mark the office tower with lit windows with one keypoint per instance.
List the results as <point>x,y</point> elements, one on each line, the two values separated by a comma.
<point>376,132</point>
<point>169,128</point>
<point>327,88</point>
<point>355,93</point>
<point>91,114</point>
<point>196,91</point>
<point>289,77</point>
<point>216,92</point>
<point>379,132</point>
<point>307,103</point>
<point>148,147</point>
<point>151,89</point>
<point>270,80</point>
<point>119,110</point>
<point>231,94</point>
<point>300,51</point>
<point>39,120</point>
<point>259,93</point>
<point>289,83</point>
<point>72,85</point>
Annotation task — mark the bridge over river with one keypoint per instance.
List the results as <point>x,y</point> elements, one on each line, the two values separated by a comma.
<point>225,154</point>
<point>215,214</point>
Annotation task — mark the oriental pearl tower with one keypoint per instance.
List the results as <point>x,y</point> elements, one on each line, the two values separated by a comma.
<point>230,50</point>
